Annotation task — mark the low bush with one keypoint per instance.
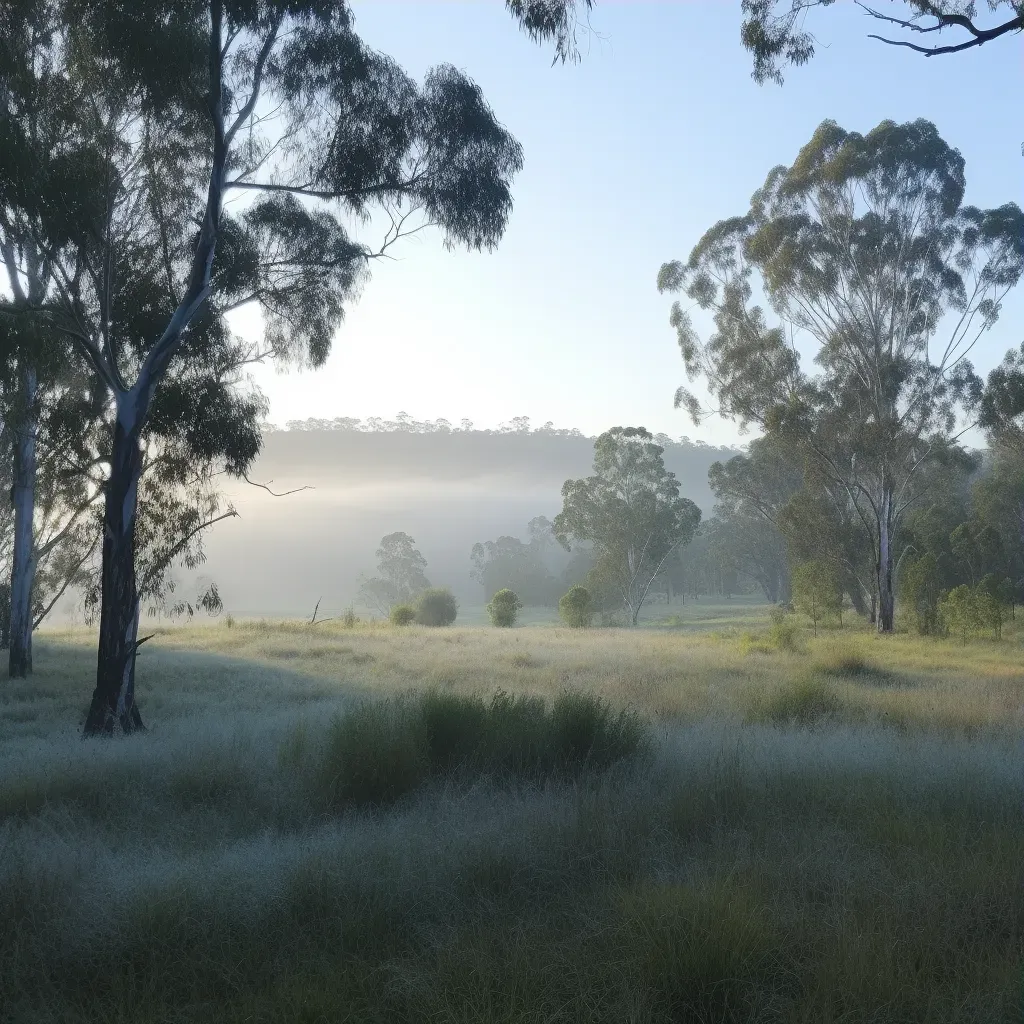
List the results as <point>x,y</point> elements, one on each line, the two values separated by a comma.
<point>349,618</point>
<point>381,751</point>
<point>784,632</point>
<point>576,608</point>
<point>402,615</point>
<point>436,607</point>
<point>503,608</point>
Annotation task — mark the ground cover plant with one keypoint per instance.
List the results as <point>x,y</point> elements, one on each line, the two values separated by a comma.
<point>367,823</point>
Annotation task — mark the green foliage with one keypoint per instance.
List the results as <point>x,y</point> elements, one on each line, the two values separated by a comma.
<point>402,615</point>
<point>436,607</point>
<point>503,608</point>
<point>630,510</point>
<point>966,611</point>
<point>349,619</point>
<point>879,216</point>
<point>380,752</point>
<point>993,595</point>
<point>783,633</point>
<point>960,612</point>
<point>817,591</point>
<point>920,590</point>
<point>776,32</point>
<point>575,608</point>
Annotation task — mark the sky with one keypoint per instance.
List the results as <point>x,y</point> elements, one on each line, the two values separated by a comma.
<point>630,156</point>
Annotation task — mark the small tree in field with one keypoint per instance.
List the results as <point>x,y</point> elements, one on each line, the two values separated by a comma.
<point>993,595</point>
<point>960,613</point>
<point>817,591</point>
<point>504,608</point>
<point>576,608</point>
<point>436,607</point>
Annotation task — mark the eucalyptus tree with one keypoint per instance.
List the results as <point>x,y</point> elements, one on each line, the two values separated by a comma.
<point>401,575</point>
<point>170,109</point>
<point>630,510</point>
<point>775,31</point>
<point>866,253</point>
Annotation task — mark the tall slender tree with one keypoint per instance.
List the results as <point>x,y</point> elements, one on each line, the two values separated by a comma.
<point>166,110</point>
<point>864,248</point>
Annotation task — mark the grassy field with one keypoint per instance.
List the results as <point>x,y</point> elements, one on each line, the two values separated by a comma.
<point>832,834</point>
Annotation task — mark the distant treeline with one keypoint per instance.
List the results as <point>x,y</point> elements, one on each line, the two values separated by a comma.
<point>404,423</point>
<point>448,488</point>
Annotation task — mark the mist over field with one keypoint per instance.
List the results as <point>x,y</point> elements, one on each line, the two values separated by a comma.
<point>448,490</point>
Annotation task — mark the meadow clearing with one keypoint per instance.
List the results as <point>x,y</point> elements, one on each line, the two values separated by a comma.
<point>827,834</point>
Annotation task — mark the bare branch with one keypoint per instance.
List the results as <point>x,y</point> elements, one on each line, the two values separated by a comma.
<point>276,494</point>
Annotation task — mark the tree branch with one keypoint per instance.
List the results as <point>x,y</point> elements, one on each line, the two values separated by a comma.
<point>276,494</point>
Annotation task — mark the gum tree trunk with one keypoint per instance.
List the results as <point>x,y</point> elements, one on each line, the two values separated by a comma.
<point>113,700</point>
<point>886,597</point>
<point>23,562</point>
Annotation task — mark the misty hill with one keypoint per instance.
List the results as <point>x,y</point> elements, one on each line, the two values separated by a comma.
<point>446,487</point>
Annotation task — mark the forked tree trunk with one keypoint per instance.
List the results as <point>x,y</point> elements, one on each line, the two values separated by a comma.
<point>113,700</point>
<point>23,562</point>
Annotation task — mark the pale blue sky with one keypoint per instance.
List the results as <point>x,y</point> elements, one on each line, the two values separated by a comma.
<point>630,156</point>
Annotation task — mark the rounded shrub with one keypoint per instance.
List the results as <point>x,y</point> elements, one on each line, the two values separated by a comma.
<point>576,608</point>
<point>436,607</point>
<point>402,615</point>
<point>504,607</point>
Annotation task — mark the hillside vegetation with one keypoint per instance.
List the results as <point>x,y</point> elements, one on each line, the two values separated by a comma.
<point>657,825</point>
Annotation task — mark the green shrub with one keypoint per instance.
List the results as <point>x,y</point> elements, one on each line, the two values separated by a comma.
<point>436,607</point>
<point>784,631</point>
<point>402,615</point>
<point>576,608</point>
<point>959,612</point>
<point>503,608</point>
<point>381,751</point>
<point>349,618</point>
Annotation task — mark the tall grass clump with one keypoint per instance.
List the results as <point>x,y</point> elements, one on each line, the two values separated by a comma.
<point>503,608</point>
<point>436,607</point>
<point>381,751</point>
<point>805,700</point>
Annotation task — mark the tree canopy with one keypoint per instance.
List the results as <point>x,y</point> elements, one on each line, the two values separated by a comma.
<point>630,510</point>
<point>864,249</point>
